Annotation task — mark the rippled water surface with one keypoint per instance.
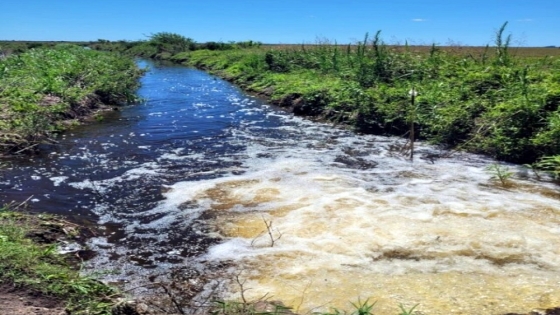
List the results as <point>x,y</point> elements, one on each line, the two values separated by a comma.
<point>193,176</point>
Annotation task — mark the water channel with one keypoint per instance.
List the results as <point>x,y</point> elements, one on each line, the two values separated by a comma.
<point>193,175</point>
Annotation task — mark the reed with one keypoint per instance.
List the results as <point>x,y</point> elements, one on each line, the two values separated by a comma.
<point>503,57</point>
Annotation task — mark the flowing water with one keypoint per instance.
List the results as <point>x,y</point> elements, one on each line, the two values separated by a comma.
<point>193,176</point>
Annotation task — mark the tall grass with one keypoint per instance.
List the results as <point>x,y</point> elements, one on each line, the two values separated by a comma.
<point>42,86</point>
<point>498,100</point>
<point>487,101</point>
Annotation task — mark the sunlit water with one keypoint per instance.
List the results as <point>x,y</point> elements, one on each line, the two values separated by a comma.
<point>193,176</point>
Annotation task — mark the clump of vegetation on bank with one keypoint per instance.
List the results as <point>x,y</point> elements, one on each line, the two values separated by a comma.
<point>42,87</point>
<point>28,264</point>
<point>486,101</point>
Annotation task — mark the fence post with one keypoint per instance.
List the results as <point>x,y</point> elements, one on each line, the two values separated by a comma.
<point>412,94</point>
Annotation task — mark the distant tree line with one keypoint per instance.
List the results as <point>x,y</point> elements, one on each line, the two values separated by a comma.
<point>164,45</point>
<point>160,45</point>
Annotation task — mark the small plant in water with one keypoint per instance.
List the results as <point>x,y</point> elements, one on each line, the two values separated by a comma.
<point>363,308</point>
<point>404,311</point>
<point>270,232</point>
<point>500,172</point>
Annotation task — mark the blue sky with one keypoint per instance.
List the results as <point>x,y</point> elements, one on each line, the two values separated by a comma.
<point>464,22</point>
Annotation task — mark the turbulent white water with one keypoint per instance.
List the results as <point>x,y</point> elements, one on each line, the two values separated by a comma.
<point>192,178</point>
<point>443,235</point>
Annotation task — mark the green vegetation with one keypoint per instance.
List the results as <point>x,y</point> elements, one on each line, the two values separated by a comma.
<point>42,87</point>
<point>276,308</point>
<point>164,45</point>
<point>550,164</point>
<point>28,265</point>
<point>15,47</point>
<point>501,173</point>
<point>488,101</point>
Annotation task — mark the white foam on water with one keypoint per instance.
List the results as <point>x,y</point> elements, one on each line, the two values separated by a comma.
<point>64,247</point>
<point>443,235</point>
<point>349,217</point>
<point>173,156</point>
<point>143,171</point>
<point>57,180</point>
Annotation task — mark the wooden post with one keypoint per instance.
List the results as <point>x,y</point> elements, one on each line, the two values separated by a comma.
<point>412,118</point>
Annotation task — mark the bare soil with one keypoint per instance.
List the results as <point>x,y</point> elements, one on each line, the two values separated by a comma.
<point>20,301</point>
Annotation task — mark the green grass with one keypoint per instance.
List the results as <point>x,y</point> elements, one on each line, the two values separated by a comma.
<point>275,308</point>
<point>42,87</point>
<point>493,101</point>
<point>550,165</point>
<point>24,263</point>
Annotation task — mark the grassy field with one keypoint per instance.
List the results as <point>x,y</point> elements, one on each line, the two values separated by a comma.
<point>466,51</point>
<point>8,47</point>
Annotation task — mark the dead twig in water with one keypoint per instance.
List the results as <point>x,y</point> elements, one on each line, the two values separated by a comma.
<point>242,289</point>
<point>21,204</point>
<point>26,148</point>
<point>172,298</point>
<point>269,230</point>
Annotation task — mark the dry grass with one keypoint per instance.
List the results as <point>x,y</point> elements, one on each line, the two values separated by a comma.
<point>524,52</point>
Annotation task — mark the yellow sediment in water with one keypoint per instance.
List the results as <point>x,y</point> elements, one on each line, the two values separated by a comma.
<point>465,276</point>
<point>453,245</point>
<point>435,293</point>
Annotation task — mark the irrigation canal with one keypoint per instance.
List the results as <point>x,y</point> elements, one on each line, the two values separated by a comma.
<point>187,180</point>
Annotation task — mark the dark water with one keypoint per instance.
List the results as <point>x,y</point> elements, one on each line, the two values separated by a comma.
<point>191,126</point>
<point>184,127</point>
<point>113,174</point>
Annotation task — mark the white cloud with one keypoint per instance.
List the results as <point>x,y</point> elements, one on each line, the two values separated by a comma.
<point>525,20</point>
<point>419,20</point>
